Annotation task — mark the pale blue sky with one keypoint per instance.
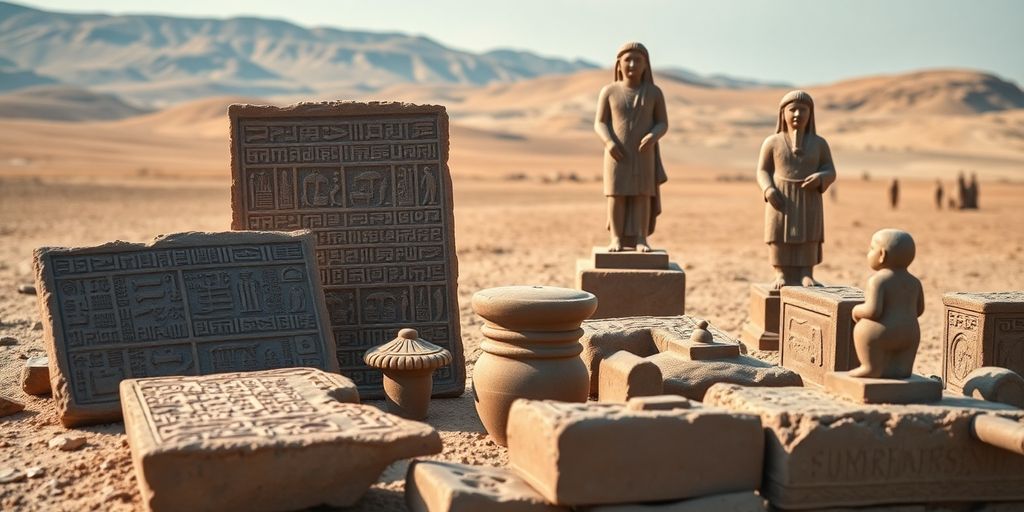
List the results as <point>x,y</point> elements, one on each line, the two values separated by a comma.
<point>798,41</point>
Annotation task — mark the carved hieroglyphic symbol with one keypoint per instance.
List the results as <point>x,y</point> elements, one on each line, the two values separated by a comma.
<point>1009,342</point>
<point>964,358</point>
<point>804,340</point>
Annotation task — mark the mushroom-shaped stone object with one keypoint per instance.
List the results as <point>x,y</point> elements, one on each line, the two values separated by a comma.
<point>701,334</point>
<point>408,363</point>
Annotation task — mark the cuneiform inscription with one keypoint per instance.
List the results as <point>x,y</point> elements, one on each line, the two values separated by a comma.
<point>358,130</point>
<point>888,464</point>
<point>1009,341</point>
<point>174,258</point>
<point>804,336</point>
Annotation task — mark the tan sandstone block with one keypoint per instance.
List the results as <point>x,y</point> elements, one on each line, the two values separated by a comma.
<point>913,390</point>
<point>633,292</point>
<point>625,375</point>
<point>35,376</point>
<point>372,180</point>
<point>822,451</point>
<point>602,453</point>
<point>761,331</point>
<point>744,501</point>
<point>183,304</point>
<point>438,486</point>
<point>260,441</point>
<point>816,330</point>
<point>657,259</point>
<point>981,329</point>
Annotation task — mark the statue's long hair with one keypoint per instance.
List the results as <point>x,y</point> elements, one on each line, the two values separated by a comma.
<point>791,97</point>
<point>648,77</point>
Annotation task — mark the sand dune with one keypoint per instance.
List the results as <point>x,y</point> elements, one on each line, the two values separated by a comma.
<point>64,103</point>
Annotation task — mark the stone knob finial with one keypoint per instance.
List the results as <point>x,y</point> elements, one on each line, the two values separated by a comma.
<point>701,334</point>
<point>409,334</point>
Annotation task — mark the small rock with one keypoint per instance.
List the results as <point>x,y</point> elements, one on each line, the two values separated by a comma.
<point>8,341</point>
<point>107,465</point>
<point>55,486</point>
<point>35,472</point>
<point>9,406</point>
<point>27,289</point>
<point>67,442</point>
<point>111,494</point>
<point>8,475</point>
<point>38,326</point>
<point>35,376</point>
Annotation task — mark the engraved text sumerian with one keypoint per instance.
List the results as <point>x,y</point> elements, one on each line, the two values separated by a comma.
<point>183,311</point>
<point>372,189</point>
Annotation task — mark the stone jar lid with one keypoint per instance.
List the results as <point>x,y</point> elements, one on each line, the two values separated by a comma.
<point>701,334</point>
<point>408,352</point>
<point>534,308</point>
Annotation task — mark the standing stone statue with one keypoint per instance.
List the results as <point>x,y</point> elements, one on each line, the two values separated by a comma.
<point>631,117</point>
<point>794,170</point>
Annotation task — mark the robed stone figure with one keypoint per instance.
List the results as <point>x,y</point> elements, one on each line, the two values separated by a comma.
<point>794,169</point>
<point>631,118</point>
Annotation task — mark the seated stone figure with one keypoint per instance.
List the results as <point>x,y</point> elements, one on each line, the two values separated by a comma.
<point>887,333</point>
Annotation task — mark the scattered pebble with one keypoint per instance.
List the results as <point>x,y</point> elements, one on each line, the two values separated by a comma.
<point>107,465</point>
<point>27,289</point>
<point>8,475</point>
<point>38,326</point>
<point>8,341</point>
<point>35,472</point>
<point>9,406</point>
<point>55,486</point>
<point>111,494</point>
<point>67,442</point>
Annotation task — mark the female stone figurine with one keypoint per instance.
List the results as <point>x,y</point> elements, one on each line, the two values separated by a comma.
<point>631,117</point>
<point>794,170</point>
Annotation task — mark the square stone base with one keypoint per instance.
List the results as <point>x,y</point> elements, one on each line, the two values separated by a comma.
<point>630,259</point>
<point>633,292</point>
<point>914,390</point>
<point>761,331</point>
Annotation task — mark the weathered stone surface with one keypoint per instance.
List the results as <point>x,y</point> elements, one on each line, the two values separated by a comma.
<point>816,330</point>
<point>35,376</point>
<point>437,486</point>
<point>657,259</point>
<point>269,440</point>
<point>183,304</point>
<point>761,331</point>
<point>602,453</point>
<point>745,501</point>
<point>866,390</point>
<point>625,375</point>
<point>981,329</point>
<point>822,451</point>
<point>633,292</point>
<point>9,406</point>
<point>372,180</point>
<point>995,385</point>
<point>650,338</point>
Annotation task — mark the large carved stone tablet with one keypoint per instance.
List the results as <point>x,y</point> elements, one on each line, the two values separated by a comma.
<point>981,329</point>
<point>822,451</point>
<point>184,304</point>
<point>372,181</point>
<point>272,440</point>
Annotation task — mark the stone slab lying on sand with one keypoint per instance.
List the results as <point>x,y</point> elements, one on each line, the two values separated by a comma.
<point>913,390</point>
<point>270,440</point>
<point>183,304</point>
<point>822,451</point>
<point>440,486</point>
<point>650,338</point>
<point>744,501</point>
<point>372,181</point>
<point>603,453</point>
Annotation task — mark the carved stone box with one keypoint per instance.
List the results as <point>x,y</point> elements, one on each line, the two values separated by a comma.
<point>371,180</point>
<point>816,330</point>
<point>981,329</point>
<point>185,304</point>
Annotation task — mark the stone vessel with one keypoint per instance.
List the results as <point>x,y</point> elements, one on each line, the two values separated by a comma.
<point>408,363</point>
<point>531,350</point>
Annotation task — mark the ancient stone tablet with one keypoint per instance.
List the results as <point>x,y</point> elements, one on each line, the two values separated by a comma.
<point>816,330</point>
<point>603,453</point>
<point>372,181</point>
<point>824,451</point>
<point>981,329</point>
<point>270,440</point>
<point>184,304</point>
<point>438,486</point>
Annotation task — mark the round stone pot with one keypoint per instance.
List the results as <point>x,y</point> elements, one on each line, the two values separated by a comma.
<point>531,349</point>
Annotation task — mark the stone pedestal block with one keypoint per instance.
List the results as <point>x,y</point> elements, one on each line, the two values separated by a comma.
<point>816,330</point>
<point>602,453</point>
<point>630,259</point>
<point>981,329</point>
<point>437,486</point>
<point>633,292</point>
<point>261,441</point>
<point>822,451</point>
<point>761,331</point>
<point>913,390</point>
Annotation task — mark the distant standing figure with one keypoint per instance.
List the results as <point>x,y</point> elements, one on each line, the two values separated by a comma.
<point>794,169</point>
<point>972,191</point>
<point>938,194</point>
<point>894,193</point>
<point>961,186</point>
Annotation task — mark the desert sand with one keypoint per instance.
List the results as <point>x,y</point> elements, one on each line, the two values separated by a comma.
<point>83,183</point>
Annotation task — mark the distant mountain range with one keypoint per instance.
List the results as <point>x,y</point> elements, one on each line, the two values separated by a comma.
<point>158,60</point>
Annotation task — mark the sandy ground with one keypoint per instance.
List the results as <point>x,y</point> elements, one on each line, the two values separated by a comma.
<point>508,232</point>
